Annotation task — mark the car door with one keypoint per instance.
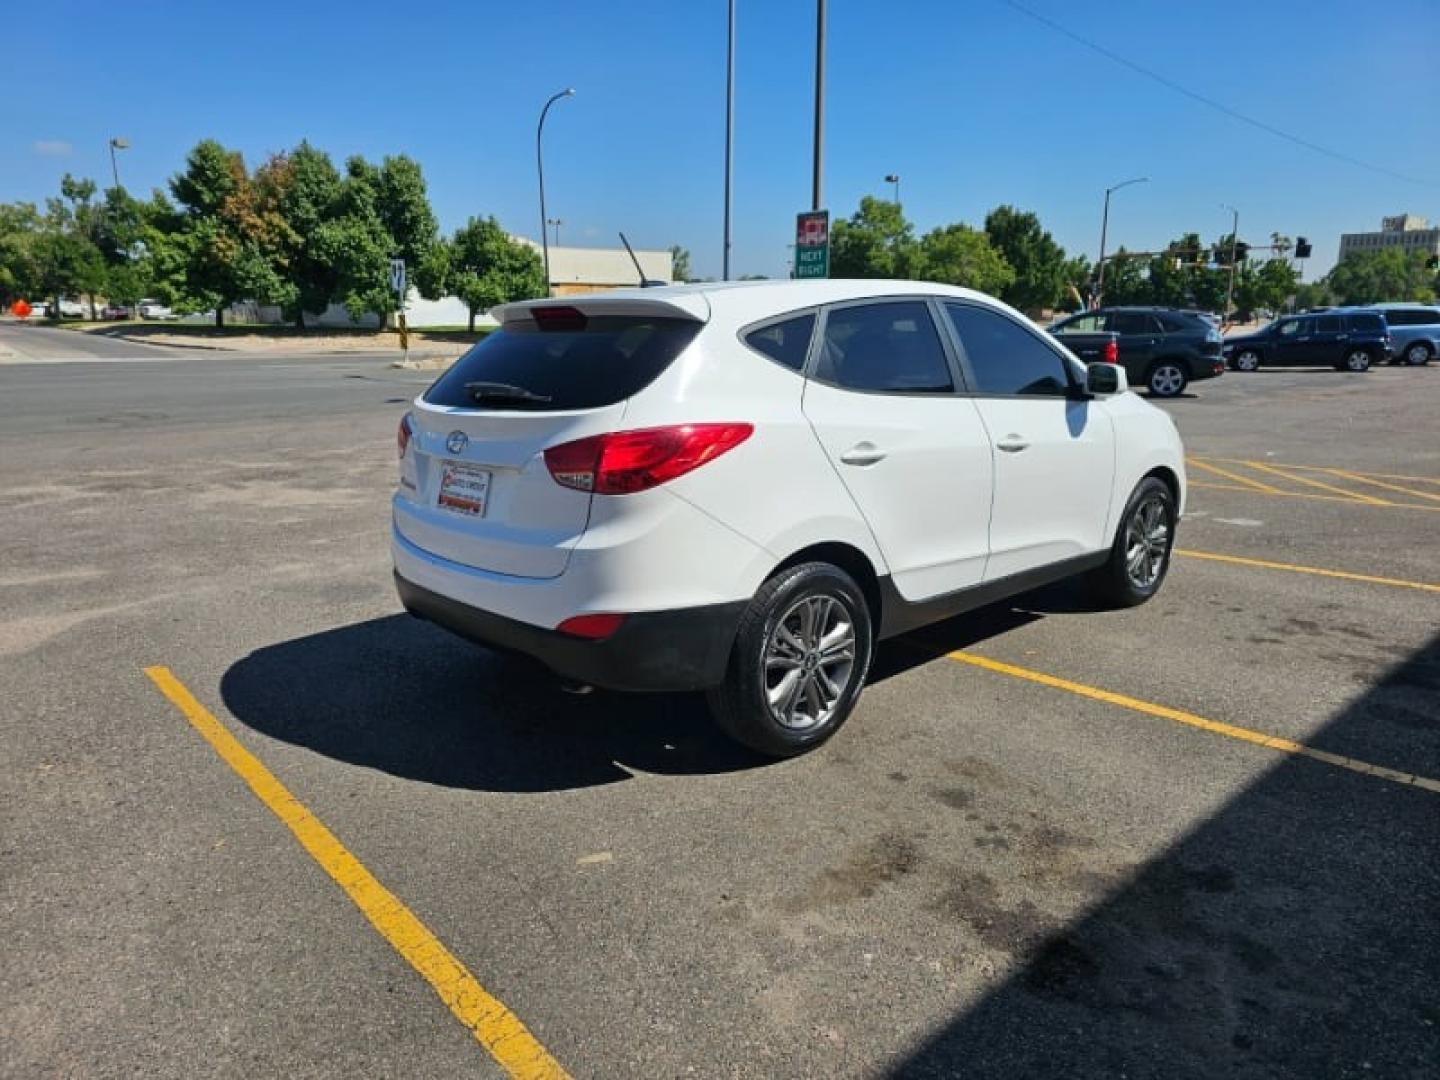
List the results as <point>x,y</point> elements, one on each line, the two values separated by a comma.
<point>1139,338</point>
<point>1328,335</point>
<point>1054,452</point>
<point>1291,340</point>
<point>910,449</point>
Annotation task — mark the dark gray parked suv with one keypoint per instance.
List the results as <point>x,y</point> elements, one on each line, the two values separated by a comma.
<point>1162,349</point>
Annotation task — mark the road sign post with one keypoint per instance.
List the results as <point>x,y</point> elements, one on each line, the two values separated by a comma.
<point>397,285</point>
<point>812,244</point>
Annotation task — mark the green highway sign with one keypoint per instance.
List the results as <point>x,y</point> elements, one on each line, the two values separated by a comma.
<point>812,244</point>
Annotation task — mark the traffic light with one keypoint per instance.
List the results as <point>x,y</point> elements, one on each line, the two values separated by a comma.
<point>1302,248</point>
<point>1242,251</point>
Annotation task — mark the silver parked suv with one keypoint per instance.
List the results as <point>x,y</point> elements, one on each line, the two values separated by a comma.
<point>1414,332</point>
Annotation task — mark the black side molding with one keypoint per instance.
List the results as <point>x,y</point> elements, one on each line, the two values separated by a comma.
<point>900,616</point>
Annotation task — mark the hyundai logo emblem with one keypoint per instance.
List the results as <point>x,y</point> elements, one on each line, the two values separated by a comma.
<point>456,442</point>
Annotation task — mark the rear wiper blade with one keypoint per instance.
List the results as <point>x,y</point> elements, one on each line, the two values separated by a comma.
<point>499,391</point>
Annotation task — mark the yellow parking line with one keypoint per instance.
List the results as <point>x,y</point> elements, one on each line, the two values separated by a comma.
<point>1215,727</point>
<point>1362,478</point>
<point>1350,499</point>
<point>494,1026</point>
<point>1255,485</point>
<point>1318,484</point>
<point>1266,564</point>
<point>1217,487</point>
<point>1328,468</point>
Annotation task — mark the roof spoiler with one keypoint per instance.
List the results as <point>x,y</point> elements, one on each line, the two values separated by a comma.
<point>688,305</point>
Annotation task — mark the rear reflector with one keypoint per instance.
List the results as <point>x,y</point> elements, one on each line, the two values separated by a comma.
<point>558,318</point>
<point>591,627</point>
<point>622,463</point>
<point>1112,352</point>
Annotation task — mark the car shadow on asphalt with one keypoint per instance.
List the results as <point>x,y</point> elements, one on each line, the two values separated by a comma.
<point>402,696</point>
<point>1293,932</point>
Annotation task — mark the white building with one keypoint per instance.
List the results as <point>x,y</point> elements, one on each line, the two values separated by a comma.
<point>1407,231</point>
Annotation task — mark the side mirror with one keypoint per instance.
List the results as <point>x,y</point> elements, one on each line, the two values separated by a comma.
<point>1105,380</point>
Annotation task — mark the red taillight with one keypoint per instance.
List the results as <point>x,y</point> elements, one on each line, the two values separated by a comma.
<point>402,436</point>
<point>591,627</point>
<point>628,461</point>
<point>1111,355</point>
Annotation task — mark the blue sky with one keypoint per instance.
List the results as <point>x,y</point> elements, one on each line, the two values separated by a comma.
<point>972,103</point>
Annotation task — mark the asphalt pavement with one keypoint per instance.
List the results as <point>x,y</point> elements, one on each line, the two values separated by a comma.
<point>1048,843</point>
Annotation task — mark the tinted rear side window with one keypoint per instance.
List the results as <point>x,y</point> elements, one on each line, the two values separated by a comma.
<point>1331,324</point>
<point>885,347</point>
<point>606,361</point>
<point>1413,317</point>
<point>1132,322</point>
<point>1365,321</point>
<point>784,342</point>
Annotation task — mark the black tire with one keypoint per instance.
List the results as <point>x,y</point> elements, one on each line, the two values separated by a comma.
<point>741,704</point>
<point>1244,357</point>
<point>1417,354</point>
<point>1113,584</point>
<point>1355,360</point>
<point>1167,378</point>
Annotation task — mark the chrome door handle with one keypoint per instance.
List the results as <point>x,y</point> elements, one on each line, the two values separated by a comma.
<point>1013,444</point>
<point>863,453</point>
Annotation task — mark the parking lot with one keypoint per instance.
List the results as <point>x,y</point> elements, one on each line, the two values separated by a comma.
<point>258,821</point>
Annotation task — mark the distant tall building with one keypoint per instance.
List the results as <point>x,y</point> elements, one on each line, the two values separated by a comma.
<point>1406,231</point>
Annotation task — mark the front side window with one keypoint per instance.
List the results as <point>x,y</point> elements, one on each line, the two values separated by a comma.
<point>1005,357</point>
<point>1288,328</point>
<point>784,342</point>
<point>890,347</point>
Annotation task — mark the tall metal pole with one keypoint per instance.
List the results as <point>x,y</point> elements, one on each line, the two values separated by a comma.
<point>1104,229</point>
<point>894,178</point>
<point>540,169</point>
<point>1234,236</point>
<point>816,189</point>
<point>114,168</point>
<point>729,139</point>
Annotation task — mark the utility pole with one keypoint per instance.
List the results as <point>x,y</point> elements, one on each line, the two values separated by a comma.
<point>1234,238</point>
<point>894,178</point>
<point>540,169</point>
<point>816,191</point>
<point>1105,228</point>
<point>729,140</point>
<point>117,143</point>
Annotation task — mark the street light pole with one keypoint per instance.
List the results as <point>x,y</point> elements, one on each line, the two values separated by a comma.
<point>540,169</point>
<point>729,140</point>
<point>1234,236</point>
<point>117,143</point>
<point>894,178</point>
<point>816,188</point>
<point>557,222</point>
<point>1105,228</point>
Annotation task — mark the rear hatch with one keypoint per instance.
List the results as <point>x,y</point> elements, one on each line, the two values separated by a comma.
<point>482,495</point>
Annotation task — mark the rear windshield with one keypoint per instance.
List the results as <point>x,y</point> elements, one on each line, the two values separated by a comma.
<point>523,367</point>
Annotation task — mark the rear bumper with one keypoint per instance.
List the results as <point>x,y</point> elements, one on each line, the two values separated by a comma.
<point>686,649</point>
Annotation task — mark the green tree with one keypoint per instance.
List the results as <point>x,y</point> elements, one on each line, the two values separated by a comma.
<point>1313,294</point>
<point>485,267</point>
<point>679,263</point>
<point>1269,284</point>
<point>1125,281</point>
<point>381,213</point>
<point>307,189</point>
<point>19,277</point>
<point>876,242</point>
<point>232,234</point>
<point>1077,275</point>
<point>1038,261</point>
<point>1368,277</point>
<point>959,255</point>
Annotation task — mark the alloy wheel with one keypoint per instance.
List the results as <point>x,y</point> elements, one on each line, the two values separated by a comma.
<point>1147,542</point>
<point>1247,361</point>
<point>1357,360</point>
<point>1167,380</point>
<point>809,661</point>
<point>1417,355</point>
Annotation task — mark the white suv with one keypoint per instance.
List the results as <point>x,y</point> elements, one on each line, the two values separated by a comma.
<point>741,488</point>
